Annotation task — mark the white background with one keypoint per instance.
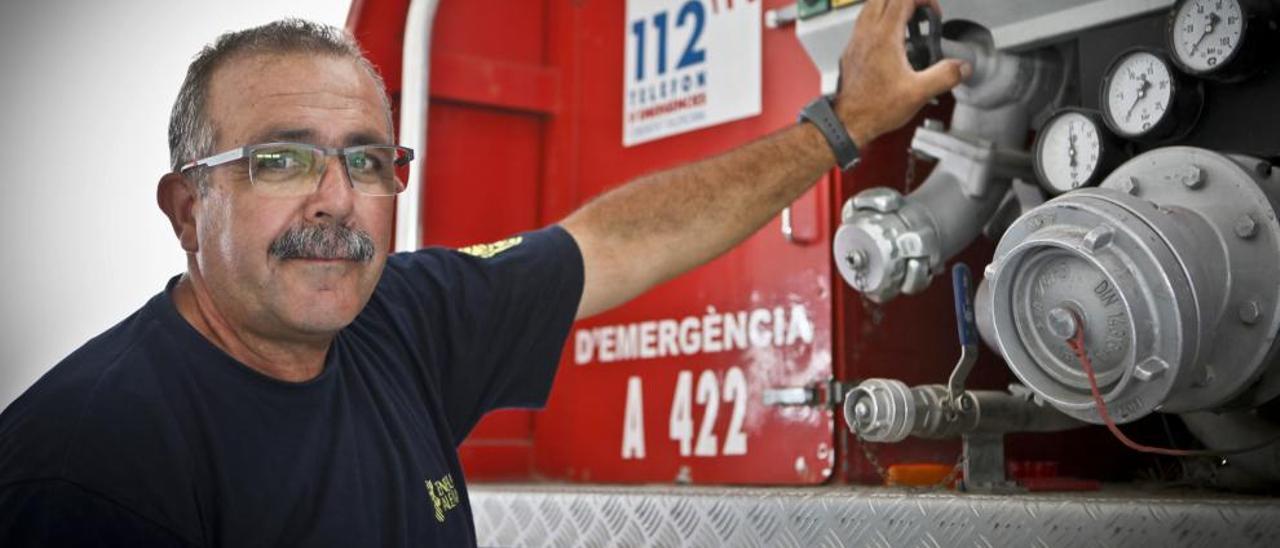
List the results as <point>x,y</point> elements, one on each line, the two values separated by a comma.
<point>87,87</point>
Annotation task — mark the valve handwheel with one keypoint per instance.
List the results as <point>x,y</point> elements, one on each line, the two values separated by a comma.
<point>923,50</point>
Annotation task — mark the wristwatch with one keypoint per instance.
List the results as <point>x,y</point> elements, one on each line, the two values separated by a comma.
<point>819,112</point>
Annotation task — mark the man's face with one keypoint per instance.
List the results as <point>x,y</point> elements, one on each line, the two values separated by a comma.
<point>324,100</point>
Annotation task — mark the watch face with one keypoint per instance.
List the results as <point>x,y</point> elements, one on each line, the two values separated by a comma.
<point>1139,92</point>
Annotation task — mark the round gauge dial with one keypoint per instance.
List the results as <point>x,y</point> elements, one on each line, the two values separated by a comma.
<point>1074,149</point>
<point>1143,98</point>
<point>1205,34</point>
<point>1222,40</point>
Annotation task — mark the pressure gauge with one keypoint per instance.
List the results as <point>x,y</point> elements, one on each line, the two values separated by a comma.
<point>1221,39</point>
<point>1074,149</point>
<point>1144,99</point>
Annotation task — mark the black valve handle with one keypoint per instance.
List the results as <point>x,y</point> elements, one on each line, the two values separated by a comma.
<point>923,50</point>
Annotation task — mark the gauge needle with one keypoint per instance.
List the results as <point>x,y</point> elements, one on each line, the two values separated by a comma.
<point>1142,92</point>
<point>1071,147</point>
<point>1208,29</point>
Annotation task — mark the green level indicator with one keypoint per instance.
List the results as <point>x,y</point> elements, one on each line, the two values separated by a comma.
<point>809,8</point>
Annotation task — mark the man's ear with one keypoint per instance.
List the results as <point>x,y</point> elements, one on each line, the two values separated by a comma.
<point>177,199</point>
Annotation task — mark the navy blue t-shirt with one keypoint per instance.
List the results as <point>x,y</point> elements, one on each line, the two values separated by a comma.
<point>150,435</point>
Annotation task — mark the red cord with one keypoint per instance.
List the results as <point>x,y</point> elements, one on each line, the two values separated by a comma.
<point>1076,342</point>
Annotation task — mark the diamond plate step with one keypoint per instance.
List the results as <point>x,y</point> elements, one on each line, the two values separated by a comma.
<point>578,515</point>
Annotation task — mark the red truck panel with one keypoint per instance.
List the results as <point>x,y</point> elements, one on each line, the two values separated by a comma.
<point>580,436</point>
<point>526,125</point>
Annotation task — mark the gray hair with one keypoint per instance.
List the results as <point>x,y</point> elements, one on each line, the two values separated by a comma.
<point>192,134</point>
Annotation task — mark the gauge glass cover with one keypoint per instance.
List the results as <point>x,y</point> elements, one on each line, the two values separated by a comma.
<point>1206,33</point>
<point>1139,92</point>
<point>1070,150</point>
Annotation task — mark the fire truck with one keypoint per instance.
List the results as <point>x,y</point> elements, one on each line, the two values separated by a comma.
<point>1043,313</point>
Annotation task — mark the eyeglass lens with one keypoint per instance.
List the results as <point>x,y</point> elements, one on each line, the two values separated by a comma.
<point>291,170</point>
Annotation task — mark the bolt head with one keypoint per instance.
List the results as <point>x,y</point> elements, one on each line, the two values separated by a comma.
<point>1150,369</point>
<point>1098,237</point>
<point>861,410</point>
<point>1250,312</point>
<point>857,259</point>
<point>1191,177</point>
<point>1062,323</point>
<point>1246,228</point>
<point>1127,185</point>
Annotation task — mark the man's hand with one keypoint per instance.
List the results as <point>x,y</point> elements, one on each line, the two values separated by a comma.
<point>659,226</point>
<point>879,90</point>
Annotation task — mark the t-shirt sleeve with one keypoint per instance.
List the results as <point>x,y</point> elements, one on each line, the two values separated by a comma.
<point>60,513</point>
<point>488,322</point>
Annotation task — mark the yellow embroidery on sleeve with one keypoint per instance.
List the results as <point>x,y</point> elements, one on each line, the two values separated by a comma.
<point>484,251</point>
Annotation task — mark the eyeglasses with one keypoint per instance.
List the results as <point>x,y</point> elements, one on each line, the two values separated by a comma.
<point>295,169</point>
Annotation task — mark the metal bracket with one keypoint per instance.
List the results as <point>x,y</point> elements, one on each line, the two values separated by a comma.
<point>973,162</point>
<point>984,464</point>
<point>788,231</point>
<point>781,17</point>
<point>828,394</point>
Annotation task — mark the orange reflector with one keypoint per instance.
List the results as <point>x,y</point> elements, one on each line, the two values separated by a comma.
<point>923,474</point>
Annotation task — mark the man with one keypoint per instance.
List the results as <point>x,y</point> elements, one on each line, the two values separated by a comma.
<point>298,386</point>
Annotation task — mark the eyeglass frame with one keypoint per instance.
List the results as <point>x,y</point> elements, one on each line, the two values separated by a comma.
<point>241,153</point>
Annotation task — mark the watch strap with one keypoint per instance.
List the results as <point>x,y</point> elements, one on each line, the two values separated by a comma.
<point>819,113</point>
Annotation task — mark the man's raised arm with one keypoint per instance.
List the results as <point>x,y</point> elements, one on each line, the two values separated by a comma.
<point>661,225</point>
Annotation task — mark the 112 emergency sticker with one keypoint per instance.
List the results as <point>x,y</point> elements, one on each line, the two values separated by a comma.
<point>689,64</point>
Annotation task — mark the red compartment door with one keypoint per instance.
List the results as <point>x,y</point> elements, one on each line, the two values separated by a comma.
<point>668,388</point>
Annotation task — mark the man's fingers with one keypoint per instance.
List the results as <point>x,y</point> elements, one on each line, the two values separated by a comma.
<point>943,76</point>
<point>902,11</point>
<point>870,19</point>
<point>869,26</point>
<point>874,8</point>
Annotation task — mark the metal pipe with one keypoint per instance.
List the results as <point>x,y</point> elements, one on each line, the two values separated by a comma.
<point>1238,429</point>
<point>955,49</point>
<point>954,218</point>
<point>887,410</point>
<point>415,97</point>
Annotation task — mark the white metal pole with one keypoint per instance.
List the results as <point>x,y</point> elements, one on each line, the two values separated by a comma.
<point>415,96</point>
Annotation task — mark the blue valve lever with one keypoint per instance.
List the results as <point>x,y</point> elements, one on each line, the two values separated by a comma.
<point>962,286</point>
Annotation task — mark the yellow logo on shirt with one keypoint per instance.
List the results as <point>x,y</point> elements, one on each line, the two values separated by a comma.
<point>444,495</point>
<point>484,251</point>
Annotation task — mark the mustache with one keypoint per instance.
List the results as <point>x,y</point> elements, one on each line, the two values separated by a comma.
<point>323,241</point>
